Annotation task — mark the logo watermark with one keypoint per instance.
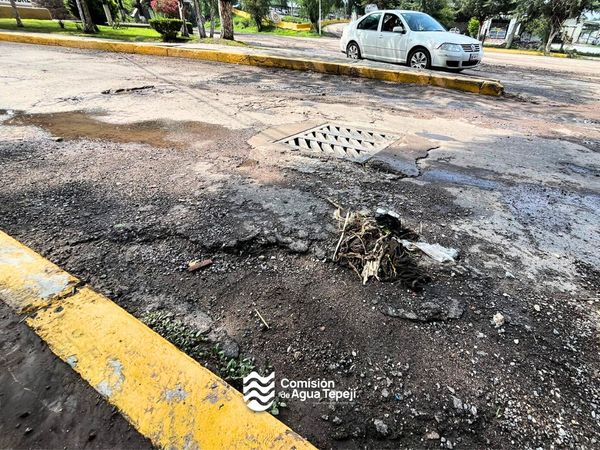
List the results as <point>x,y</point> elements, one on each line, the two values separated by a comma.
<point>259,392</point>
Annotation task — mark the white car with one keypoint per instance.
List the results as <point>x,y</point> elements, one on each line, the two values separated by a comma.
<point>410,37</point>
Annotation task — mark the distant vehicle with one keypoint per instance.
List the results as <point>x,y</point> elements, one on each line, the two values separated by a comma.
<point>410,37</point>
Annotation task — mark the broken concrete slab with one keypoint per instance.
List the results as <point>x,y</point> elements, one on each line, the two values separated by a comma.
<point>403,155</point>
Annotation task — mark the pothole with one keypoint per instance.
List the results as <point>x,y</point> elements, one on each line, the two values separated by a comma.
<point>340,141</point>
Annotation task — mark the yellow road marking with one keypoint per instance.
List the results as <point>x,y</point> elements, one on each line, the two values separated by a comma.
<point>167,396</point>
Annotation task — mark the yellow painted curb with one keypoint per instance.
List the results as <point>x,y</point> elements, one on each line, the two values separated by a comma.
<point>28,281</point>
<point>515,51</point>
<point>167,396</point>
<point>466,84</point>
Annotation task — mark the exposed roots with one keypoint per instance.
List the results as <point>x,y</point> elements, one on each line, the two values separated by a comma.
<point>371,247</point>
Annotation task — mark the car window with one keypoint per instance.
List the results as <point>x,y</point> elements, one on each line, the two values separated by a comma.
<point>421,22</point>
<point>390,21</point>
<point>370,22</point>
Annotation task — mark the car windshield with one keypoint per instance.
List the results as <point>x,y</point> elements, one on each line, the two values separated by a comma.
<point>421,22</point>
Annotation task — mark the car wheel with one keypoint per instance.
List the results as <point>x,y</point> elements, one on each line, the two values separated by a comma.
<point>419,59</point>
<point>352,51</point>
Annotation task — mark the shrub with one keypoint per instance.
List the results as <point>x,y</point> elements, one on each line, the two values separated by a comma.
<point>473,27</point>
<point>168,8</point>
<point>168,28</point>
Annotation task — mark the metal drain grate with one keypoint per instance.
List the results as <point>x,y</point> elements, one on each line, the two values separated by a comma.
<point>340,141</point>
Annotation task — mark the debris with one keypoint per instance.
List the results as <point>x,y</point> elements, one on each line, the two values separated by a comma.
<point>457,403</point>
<point>381,427</point>
<point>498,320</point>
<point>435,251</point>
<point>132,89</point>
<point>432,436</point>
<point>198,264</point>
<point>372,248</point>
<point>428,311</point>
<point>262,319</point>
<point>537,308</point>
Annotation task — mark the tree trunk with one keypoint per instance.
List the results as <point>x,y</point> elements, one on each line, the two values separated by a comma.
<point>199,20</point>
<point>212,18</point>
<point>511,35</point>
<point>88,25</point>
<point>553,32</point>
<point>483,31</point>
<point>184,29</point>
<point>17,15</point>
<point>226,15</point>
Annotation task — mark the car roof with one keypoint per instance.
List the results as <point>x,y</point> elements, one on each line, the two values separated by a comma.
<point>396,11</point>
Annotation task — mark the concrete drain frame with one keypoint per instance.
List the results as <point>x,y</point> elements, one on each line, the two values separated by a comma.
<point>340,141</point>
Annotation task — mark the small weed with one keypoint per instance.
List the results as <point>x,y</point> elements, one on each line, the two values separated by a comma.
<point>278,404</point>
<point>198,347</point>
<point>176,332</point>
<point>232,369</point>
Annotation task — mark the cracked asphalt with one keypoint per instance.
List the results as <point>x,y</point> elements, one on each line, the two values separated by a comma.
<point>123,187</point>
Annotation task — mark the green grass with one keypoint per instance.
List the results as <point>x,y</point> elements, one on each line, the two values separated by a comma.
<point>71,28</point>
<point>132,34</point>
<point>245,26</point>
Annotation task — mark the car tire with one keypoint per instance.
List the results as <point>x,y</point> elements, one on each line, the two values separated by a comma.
<point>353,51</point>
<point>419,58</point>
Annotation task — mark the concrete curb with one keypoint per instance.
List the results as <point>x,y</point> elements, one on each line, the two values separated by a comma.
<point>514,51</point>
<point>167,396</point>
<point>425,78</point>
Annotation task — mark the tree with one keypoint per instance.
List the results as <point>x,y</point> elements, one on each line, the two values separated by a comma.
<point>258,9</point>
<point>483,10</point>
<point>311,10</point>
<point>439,9</point>
<point>168,8</point>
<point>95,9</point>
<point>199,20</point>
<point>17,15</point>
<point>554,13</point>
<point>212,18</point>
<point>88,23</point>
<point>226,16</point>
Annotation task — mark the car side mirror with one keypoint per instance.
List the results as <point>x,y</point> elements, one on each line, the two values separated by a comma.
<point>400,30</point>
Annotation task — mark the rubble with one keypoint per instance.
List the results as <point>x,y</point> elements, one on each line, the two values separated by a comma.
<point>372,248</point>
<point>199,264</point>
<point>498,320</point>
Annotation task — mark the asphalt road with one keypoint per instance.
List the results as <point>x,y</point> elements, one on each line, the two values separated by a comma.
<point>123,168</point>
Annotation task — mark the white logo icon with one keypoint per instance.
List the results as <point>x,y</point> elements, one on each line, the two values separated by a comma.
<point>259,392</point>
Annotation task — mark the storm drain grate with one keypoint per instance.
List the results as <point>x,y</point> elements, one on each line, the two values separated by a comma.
<point>340,141</point>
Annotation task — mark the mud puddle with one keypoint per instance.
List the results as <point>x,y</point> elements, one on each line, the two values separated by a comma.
<point>157,133</point>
